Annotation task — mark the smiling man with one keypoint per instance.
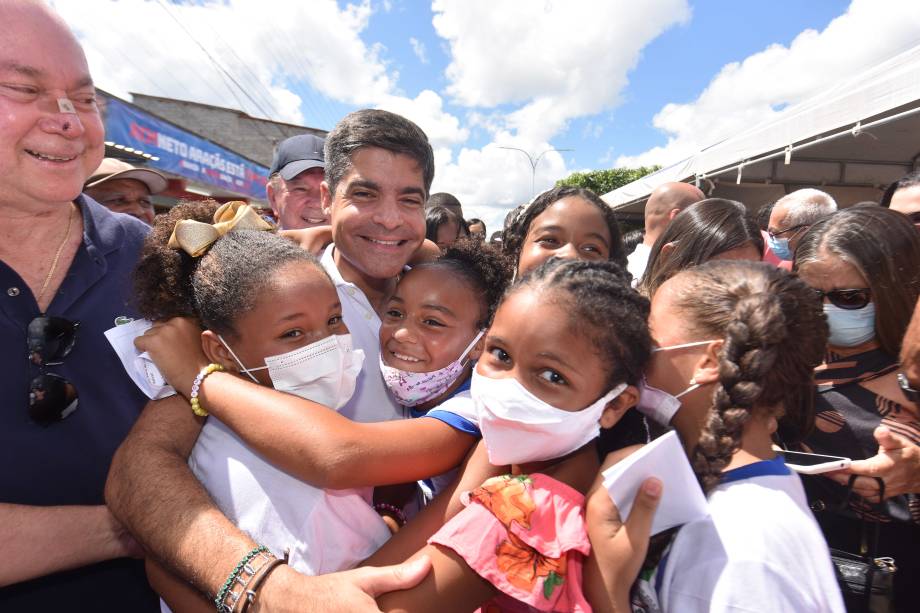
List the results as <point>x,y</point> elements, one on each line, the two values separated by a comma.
<point>65,266</point>
<point>379,168</point>
<point>293,184</point>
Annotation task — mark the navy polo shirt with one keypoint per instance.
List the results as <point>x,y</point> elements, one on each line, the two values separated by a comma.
<point>66,463</point>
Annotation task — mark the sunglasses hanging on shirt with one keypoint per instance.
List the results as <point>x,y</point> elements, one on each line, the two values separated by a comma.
<point>50,340</point>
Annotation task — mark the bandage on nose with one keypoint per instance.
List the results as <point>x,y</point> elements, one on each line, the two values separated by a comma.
<point>65,105</point>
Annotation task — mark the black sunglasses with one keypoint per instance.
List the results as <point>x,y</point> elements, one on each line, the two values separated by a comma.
<point>50,340</point>
<point>787,230</point>
<point>849,299</point>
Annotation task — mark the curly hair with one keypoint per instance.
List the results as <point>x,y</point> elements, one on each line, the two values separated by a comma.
<point>601,305</point>
<point>774,334</point>
<point>216,287</point>
<point>487,271</point>
<point>516,228</point>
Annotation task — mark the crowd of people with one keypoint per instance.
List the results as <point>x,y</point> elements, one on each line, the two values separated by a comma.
<point>368,403</point>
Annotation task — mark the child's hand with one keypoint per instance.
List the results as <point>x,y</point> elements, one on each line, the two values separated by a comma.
<point>618,548</point>
<point>174,346</point>
<point>427,252</point>
<point>313,240</point>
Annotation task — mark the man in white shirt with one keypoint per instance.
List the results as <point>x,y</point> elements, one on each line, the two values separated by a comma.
<point>379,168</point>
<point>663,205</point>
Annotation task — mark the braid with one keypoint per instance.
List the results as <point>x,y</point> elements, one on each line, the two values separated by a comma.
<point>602,305</point>
<point>773,332</point>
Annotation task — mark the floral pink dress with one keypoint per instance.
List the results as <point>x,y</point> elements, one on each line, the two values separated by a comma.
<point>525,534</point>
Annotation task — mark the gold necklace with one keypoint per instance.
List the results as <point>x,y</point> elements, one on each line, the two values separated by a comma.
<point>57,256</point>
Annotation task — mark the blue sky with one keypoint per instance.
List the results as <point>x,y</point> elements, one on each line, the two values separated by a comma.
<point>619,82</point>
<point>676,66</point>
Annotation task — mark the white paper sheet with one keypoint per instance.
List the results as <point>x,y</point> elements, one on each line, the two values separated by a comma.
<point>138,365</point>
<point>682,499</point>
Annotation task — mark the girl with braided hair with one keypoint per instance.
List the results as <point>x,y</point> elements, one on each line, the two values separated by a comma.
<point>572,223</point>
<point>737,343</point>
<point>563,356</point>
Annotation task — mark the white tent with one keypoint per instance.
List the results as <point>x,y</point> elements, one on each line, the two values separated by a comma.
<point>851,140</point>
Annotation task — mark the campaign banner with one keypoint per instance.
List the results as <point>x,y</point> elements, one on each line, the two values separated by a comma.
<point>182,152</point>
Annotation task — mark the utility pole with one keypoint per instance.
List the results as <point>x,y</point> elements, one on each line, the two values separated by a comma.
<point>533,163</point>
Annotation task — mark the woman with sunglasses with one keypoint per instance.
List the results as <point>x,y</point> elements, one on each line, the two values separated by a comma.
<point>865,265</point>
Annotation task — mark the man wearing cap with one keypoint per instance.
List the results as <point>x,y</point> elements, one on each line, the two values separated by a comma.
<point>123,188</point>
<point>293,185</point>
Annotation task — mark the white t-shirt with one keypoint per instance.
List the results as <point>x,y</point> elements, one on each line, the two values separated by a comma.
<point>759,550</point>
<point>320,531</point>
<point>637,261</point>
<point>371,401</point>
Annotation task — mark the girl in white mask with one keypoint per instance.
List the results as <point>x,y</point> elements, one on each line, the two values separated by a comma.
<point>264,302</point>
<point>561,360</point>
<point>737,343</point>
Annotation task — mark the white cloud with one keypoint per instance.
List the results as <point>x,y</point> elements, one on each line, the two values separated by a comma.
<point>491,181</point>
<point>418,48</point>
<point>561,60</point>
<point>757,88</point>
<point>317,43</point>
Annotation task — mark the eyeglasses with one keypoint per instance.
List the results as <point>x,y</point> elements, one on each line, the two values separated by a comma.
<point>781,232</point>
<point>50,340</point>
<point>849,299</point>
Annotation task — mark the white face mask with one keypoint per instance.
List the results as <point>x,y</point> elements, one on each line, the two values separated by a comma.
<point>325,371</point>
<point>518,427</point>
<point>658,404</point>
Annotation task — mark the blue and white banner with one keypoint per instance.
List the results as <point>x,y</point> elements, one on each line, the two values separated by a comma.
<point>182,152</point>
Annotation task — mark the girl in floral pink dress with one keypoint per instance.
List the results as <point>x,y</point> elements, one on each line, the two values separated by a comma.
<point>563,356</point>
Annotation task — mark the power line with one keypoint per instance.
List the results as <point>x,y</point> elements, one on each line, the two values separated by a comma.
<point>222,70</point>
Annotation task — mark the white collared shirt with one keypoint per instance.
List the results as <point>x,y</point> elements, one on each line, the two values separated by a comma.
<point>371,401</point>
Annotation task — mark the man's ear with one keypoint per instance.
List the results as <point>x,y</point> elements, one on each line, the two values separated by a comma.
<point>216,352</point>
<point>325,196</point>
<point>617,407</point>
<point>672,214</point>
<point>272,197</point>
<point>707,368</point>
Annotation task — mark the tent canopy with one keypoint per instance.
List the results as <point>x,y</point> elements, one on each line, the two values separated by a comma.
<point>851,140</point>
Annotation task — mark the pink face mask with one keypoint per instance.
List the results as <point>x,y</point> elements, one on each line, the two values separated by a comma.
<point>414,388</point>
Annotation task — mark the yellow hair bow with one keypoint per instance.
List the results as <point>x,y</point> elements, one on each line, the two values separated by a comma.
<point>194,237</point>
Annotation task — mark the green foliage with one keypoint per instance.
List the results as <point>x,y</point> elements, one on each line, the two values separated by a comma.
<point>603,181</point>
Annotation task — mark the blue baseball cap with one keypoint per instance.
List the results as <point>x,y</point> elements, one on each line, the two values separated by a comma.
<point>297,154</point>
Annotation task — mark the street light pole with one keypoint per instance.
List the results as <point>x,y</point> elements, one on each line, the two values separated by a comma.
<point>533,163</point>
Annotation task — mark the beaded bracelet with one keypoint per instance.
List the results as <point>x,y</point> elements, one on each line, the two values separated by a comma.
<point>394,510</point>
<point>228,584</point>
<point>196,385</point>
<point>256,581</point>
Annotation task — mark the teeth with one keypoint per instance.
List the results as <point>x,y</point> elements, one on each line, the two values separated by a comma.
<point>44,156</point>
<point>381,242</point>
<point>406,358</point>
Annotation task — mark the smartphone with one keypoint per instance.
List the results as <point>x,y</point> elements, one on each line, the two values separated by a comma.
<point>813,463</point>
